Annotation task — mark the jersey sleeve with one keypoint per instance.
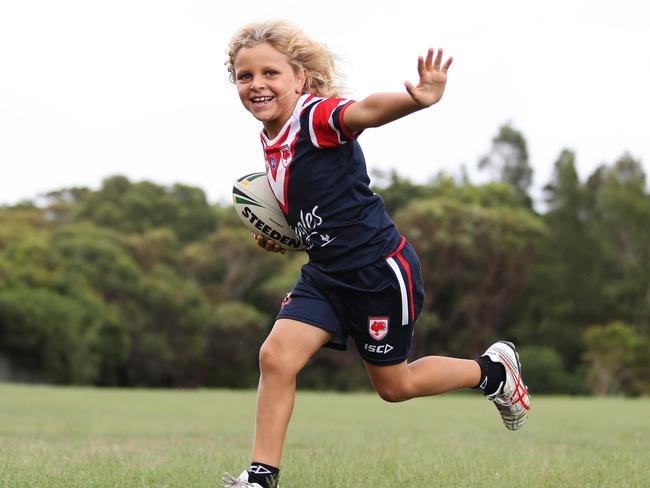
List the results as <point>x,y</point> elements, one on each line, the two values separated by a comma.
<point>326,127</point>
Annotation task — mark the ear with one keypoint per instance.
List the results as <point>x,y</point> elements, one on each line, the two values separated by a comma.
<point>301,79</point>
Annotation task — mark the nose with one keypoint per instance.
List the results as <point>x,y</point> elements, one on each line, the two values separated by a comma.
<point>258,83</point>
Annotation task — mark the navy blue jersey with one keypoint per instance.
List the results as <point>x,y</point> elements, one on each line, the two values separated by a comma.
<point>318,174</point>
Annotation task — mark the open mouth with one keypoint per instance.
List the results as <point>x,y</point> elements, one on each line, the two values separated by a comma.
<point>259,101</point>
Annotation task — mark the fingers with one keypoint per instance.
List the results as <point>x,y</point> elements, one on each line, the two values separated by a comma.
<point>445,67</point>
<point>433,64</point>
<point>260,241</point>
<point>436,64</point>
<point>268,244</point>
<point>429,59</point>
<point>421,71</point>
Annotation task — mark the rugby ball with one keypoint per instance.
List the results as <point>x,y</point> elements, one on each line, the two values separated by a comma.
<point>258,209</point>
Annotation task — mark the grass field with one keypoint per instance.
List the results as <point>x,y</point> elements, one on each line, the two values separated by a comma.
<point>76,437</point>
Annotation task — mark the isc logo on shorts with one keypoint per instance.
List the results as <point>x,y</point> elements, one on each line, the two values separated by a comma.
<point>378,327</point>
<point>381,349</point>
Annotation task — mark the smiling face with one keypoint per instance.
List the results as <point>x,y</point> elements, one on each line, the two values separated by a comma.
<point>268,85</point>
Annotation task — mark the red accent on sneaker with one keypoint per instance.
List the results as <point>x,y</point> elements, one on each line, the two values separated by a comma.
<point>520,389</point>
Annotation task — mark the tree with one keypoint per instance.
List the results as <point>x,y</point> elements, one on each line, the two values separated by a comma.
<point>545,371</point>
<point>137,207</point>
<point>244,266</point>
<point>233,335</point>
<point>398,191</point>
<point>610,351</point>
<point>167,341</point>
<point>566,292</point>
<point>508,157</point>
<point>621,216</point>
<point>475,262</point>
<point>48,332</point>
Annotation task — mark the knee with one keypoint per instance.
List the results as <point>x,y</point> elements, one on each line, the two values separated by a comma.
<point>273,360</point>
<point>269,357</point>
<point>393,393</point>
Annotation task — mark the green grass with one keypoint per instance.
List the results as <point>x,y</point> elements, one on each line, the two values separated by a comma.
<point>78,437</point>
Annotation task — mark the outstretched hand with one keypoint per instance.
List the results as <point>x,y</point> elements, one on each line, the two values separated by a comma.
<point>433,78</point>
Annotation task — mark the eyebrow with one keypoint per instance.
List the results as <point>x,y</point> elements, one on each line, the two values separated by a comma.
<point>262,69</point>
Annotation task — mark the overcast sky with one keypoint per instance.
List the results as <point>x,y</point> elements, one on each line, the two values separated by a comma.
<point>90,89</point>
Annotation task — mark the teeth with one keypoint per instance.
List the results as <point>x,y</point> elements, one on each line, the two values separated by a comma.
<point>262,99</point>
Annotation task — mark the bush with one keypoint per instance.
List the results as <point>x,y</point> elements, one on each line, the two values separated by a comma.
<point>544,372</point>
<point>617,358</point>
<point>48,332</point>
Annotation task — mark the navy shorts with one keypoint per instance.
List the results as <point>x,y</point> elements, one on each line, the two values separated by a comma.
<point>376,305</point>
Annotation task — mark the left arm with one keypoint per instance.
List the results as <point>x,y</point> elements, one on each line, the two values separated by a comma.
<point>381,108</point>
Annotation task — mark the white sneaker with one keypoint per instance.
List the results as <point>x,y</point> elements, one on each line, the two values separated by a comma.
<point>511,398</point>
<point>229,481</point>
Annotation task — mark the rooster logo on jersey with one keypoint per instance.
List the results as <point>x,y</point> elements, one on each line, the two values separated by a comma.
<point>272,159</point>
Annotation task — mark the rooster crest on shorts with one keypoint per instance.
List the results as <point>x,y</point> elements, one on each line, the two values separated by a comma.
<point>378,327</point>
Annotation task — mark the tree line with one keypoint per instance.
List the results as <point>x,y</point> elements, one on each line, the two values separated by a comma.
<point>139,284</point>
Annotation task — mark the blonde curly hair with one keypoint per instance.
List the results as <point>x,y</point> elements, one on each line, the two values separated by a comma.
<point>323,79</point>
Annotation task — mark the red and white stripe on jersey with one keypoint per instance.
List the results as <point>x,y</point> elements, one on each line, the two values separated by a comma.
<point>278,155</point>
<point>326,127</point>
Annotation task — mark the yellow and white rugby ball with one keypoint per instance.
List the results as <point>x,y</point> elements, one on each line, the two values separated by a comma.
<point>257,208</point>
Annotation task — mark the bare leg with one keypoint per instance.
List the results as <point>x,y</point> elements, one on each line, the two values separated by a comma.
<point>284,353</point>
<point>429,375</point>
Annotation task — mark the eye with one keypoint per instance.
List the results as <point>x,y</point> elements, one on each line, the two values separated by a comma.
<point>243,76</point>
<point>270,73</point>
